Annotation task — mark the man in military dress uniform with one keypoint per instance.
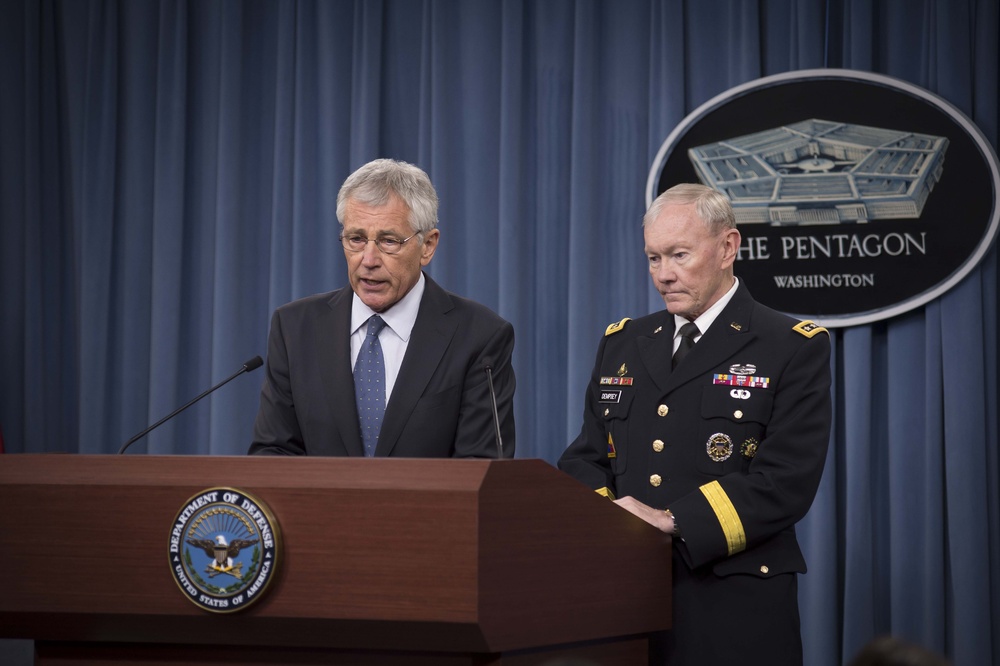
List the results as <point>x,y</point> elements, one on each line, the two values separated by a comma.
<point>720,444</point>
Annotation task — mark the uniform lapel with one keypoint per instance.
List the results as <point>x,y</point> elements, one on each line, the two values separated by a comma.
<point>334,355</point>
<point>729,333</point>
<point>656,349</point>
<point>431,336</point>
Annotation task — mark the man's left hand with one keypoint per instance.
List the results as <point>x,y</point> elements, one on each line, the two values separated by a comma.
<point>661,520</point>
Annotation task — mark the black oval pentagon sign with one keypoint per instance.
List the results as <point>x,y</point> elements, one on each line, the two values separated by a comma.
<point>858,196</point>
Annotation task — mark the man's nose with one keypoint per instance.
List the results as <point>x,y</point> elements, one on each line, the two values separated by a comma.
<point>371,255</point>
<point>663,273</point>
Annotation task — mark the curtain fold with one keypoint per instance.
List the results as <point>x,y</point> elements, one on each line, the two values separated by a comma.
<point>168,177</point>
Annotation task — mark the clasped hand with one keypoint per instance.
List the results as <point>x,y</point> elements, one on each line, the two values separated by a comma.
<point>661,520</point>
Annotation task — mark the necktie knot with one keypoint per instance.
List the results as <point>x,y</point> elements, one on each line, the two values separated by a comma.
<point>687,335</point>
<point>375,326</point>
<point>689,330</point>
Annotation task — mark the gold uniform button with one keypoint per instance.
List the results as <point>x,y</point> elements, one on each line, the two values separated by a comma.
<point>657,445</point>
<point>655,480</point>
<point>738,413</point>
<point>607,411</point>
<point>764,569</point>
<point>662,410</point>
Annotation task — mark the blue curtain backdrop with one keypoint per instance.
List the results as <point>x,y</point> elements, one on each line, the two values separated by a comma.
<point>168,177</point>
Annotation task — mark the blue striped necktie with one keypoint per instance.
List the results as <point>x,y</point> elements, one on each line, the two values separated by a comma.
<point>369,385</point>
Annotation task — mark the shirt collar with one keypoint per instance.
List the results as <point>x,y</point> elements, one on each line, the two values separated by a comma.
<point>709,315</point>
<point>400,317</point>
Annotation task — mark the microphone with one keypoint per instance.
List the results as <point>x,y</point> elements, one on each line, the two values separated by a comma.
<point>488,367</point>
<point>249,366</point>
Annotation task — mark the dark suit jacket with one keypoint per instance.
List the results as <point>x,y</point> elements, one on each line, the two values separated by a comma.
<point>648,437</point>
<point>439,407</point>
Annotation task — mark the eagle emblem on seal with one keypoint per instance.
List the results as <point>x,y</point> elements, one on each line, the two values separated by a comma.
<point>222,554</point>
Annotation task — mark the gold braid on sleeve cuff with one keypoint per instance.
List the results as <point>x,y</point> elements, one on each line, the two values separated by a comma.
<point>725,512</point>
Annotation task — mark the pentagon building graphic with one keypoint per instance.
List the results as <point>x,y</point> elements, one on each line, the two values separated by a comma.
<point>823,172</point>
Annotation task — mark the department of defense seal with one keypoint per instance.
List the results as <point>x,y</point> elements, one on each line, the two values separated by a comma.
<point>224,549</point>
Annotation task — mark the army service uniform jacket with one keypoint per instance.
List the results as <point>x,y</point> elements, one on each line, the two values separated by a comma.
<point>733,443</point>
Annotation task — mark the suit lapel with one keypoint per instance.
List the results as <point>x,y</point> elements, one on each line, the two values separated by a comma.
<point>431,336</point>
<point>334,345</point>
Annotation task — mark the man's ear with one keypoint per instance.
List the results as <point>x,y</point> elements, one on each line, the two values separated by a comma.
<point>429,246</point>
<point>730,247</point>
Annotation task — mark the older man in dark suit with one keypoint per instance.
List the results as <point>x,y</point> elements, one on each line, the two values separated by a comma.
<point>394,365</point>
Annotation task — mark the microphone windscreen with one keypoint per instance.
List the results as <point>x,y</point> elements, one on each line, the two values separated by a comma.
<point>253,364</point>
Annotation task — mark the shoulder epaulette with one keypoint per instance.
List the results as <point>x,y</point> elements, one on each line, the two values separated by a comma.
<point>809,328</point>
<point>614,328</point>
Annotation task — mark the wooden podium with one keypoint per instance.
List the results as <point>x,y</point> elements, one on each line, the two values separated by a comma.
<point>383,561</point>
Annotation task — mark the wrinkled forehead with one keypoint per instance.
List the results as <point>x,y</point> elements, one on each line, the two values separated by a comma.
<point>677,224</point>
<point>393,216</point>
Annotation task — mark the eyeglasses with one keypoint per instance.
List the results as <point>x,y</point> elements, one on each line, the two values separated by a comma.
<point>386,244</point>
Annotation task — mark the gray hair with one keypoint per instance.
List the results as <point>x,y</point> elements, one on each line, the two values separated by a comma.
<point>375,182</point>
<point>711,205</point>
